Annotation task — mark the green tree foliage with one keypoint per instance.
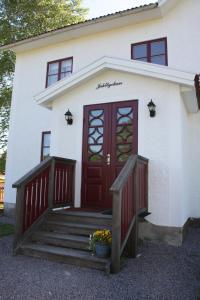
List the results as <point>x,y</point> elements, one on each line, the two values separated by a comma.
<point>20,19</point>
<point>3,163</point>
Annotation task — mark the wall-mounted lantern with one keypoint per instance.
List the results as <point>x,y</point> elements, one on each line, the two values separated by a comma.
<point>69,117</point>
<point>152,108</point>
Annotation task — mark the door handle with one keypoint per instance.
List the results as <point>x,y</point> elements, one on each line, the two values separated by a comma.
<point>108,159</point>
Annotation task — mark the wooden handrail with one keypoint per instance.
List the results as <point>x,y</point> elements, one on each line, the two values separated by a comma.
<point>124,174</point>
<point>128,199</point>
<point>36,170</point>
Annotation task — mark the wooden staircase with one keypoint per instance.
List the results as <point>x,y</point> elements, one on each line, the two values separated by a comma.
<point>64,237</point>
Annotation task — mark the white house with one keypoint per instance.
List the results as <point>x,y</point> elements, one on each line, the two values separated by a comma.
<point>105,71</point>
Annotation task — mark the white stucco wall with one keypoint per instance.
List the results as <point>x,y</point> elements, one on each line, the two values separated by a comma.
<point>173,195</point>
<point>194,162</point>
<point>159,140</point>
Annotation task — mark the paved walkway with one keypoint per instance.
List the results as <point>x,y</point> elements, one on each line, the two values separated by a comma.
<point>161,272</point>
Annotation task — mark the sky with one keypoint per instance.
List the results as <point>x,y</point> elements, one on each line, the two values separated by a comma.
<point>103,7</point>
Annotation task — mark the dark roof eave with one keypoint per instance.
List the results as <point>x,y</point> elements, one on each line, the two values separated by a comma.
<point>88,22</point>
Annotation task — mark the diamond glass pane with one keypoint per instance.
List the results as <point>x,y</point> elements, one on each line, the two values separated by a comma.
<point>96,118</point>
<point>124,133</point>
<point>95,135</point>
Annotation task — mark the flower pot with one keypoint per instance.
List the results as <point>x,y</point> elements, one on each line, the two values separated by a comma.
<point>102,250</point>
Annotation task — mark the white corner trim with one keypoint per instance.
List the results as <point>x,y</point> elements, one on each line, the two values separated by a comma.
<point>48,95</point>
<point>190,99</point>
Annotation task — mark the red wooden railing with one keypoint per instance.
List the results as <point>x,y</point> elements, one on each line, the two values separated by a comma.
<point>142,184</point>
<point>128,208</point>
<point>130,197</point>
<point>129,205</point>
<point>49,185</point>
<point>36,197</point>
<point>64,176</point>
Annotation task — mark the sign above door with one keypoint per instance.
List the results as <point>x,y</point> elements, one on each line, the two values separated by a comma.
<point>108,84</point>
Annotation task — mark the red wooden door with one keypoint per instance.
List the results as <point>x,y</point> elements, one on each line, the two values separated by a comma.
<point>110,135</point>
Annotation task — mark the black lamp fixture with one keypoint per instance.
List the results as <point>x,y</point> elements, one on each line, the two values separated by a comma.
<point>152,108</point>
<point>69,117</point>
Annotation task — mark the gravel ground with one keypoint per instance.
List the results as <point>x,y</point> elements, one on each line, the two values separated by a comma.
<point>6,220</point>
<point>160,272</point>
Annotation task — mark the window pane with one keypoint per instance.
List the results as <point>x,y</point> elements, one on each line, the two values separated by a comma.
<point>124,110</point>
<point>52,79</point>
<point>45,153</point>
<point>46,139</point>
<point>53,68</point>
<point>96,113</point>
<point>66,66</point>
<point>160,60</point>
<point>62,75</point>
<point>124,133</point>
<point>142,59</point>
<point>95,135</point>
<point>140,51</point>
<point>157,48</point>
<point>96,118</point>
<point>95,153</point>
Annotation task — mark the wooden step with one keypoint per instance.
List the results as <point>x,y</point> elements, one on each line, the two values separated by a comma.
<point>64,255</point>
<point>61,240</point>
<point>81,217</point>
<point>71,228</point>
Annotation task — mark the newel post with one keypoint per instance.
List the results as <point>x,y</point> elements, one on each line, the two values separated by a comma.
<point>134,233</point>
<point>51,184</point>
<point>19,216</point>
<point>116,232</point>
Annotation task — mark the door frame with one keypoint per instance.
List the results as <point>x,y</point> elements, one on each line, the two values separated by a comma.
<point>83,134</point>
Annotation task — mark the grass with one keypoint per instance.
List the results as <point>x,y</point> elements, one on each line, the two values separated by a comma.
<point>6,229</point>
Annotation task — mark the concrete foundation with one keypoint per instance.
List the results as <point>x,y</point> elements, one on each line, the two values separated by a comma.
<point>9,209</point>
<point>170,235</point>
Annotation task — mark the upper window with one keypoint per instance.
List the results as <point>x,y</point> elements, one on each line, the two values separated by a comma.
<point>154,51</point>
<point>45,147</point>
<point>58,69</point>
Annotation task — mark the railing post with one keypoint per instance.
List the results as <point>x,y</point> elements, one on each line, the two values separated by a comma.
<point>116,232</point>
<point>19,216</point>
<point>51,184</point>
<point>73,185</point>
<point>133,238</point>
<point>136,203</point>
